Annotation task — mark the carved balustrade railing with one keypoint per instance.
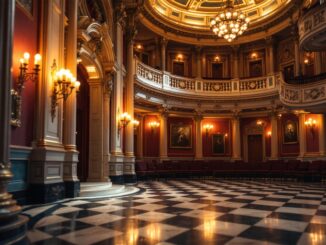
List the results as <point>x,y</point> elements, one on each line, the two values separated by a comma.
<point>183,85</point>
<point>304,94</point>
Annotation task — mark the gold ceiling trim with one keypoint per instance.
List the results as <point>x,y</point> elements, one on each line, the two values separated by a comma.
<point>193,16</point>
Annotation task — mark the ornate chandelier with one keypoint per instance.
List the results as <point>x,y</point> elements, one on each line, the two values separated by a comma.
<point>230,23</point>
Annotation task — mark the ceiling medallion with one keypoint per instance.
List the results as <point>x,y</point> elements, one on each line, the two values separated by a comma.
<point>230,23</point>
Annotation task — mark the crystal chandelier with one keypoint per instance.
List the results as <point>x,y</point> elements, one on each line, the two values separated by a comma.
<point>230,23</point>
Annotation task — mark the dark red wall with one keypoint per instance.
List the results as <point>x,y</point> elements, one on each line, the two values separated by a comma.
<point>312,135</point>
<point>25,40</point>
<point>151,138</point>
<point>175,152</point>
<point>288,149</point>
<point>220,126</point>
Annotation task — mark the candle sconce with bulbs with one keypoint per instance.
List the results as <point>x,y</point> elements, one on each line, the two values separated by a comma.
<point>64,83</point>
<point>23,77</point>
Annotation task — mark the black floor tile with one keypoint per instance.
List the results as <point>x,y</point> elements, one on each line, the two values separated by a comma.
<point>173,210</point>
<point>63,227</point>
<point>79,214</point>
<point>239,219</point>
<point>123,224</point>
<point>290,216</point>
<point>261,207</point>
<point>183,221</point>
<point>53,241</point>
<point>271,235</point>
<point>194,237</point>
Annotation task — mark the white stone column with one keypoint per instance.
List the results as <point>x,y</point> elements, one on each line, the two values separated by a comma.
<point>164,43</point>
<point>322,134</point>
<point>198,62</point>
<point>236,139</point>
<point>116,158</point>
<point>106,123</point>
<point>48,154</point>
<point>163,136</point>
<point>302,136</point>
<point>129,130</point>
<point>274,138</point>
<point>69,127</point>
<point>199,138</point>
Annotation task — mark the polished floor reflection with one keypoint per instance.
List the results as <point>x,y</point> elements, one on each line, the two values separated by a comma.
<point>189,212</point>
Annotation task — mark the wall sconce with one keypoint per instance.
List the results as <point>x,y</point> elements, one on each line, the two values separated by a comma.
<point>254,55</point>
<point>153,125</point>
<point>63,85</point>
<point>259,123</point>
<point>217,58</point>
<point>179,57</point>
<point>125,119</point>
<point>24,75</point>
<point>311,124</point>
<point>208,127</point>
<point>269,133</point>
<point>135,123</point>
<point>226,135</point>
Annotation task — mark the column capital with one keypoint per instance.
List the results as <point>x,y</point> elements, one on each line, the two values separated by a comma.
<point>164,42</point>
<point>198,49</point>
<point>270,40</point>
<point>164,110</point>
<point>120,15</point>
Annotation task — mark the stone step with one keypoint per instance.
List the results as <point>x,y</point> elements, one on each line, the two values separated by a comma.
<point>102,190</point>
<point>95,186</point>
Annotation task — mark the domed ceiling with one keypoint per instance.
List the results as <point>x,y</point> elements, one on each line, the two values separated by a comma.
<point>194,16</point>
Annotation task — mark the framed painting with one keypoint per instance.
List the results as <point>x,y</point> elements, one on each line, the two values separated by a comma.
<point>290,132</point>
<point>218,143</point>
<point>180,136</point>
<point>26,6</point>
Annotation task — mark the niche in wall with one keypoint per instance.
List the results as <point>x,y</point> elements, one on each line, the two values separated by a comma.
<point>178,68</point>
<point>217,70</point>
<point>256,68</point>
<point>288,72</point>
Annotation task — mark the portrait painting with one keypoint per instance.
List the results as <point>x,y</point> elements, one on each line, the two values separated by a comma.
<point>180,136</point>
<point>218,143</point>
<point>290,132</point>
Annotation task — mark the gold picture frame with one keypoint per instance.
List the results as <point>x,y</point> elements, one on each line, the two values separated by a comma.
<point>181,136</point>
<point>290,132</point>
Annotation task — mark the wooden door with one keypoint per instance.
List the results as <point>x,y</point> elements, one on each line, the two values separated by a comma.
<point>255,148</point>
<point>82,137</point>
<point>217,70</point>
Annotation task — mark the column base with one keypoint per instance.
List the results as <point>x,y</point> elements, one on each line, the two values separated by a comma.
<point>130,179</point>
<point>72,189</point>
<point>14,232</point>
<point>117,179</point>
<point>45,193</point>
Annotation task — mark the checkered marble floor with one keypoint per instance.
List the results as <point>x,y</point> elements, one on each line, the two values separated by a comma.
<point>189,212</point>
